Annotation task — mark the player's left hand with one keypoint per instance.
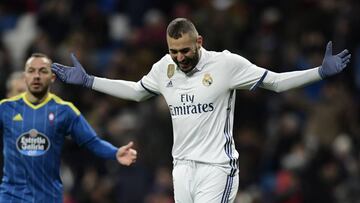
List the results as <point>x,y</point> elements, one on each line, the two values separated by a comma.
<point>333,64</point>
<point>126,155</point>
<point>75,74</point>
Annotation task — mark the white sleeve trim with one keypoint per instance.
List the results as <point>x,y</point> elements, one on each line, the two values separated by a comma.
<point>279,82</point>
<point>128,90</point>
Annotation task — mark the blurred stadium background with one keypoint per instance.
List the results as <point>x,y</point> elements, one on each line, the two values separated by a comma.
<point>298,146</point>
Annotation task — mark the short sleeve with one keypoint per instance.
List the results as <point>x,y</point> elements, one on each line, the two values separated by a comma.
<point>150,82</point>
<point>244,74</point>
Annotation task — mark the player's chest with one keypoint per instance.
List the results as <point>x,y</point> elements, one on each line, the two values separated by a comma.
<point>198,88</point>
<point>30,131</point>
<point>23,119</point>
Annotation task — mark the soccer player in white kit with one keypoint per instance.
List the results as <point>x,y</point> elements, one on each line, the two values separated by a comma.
<point>199,87</point>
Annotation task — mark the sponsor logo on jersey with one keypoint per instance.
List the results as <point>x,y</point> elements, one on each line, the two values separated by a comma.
<point>187,109</point>
<point>17,117</point>
<point>32,143</point>
<point>189,106</point>
<point>170,70</point>
<point>207,80</point>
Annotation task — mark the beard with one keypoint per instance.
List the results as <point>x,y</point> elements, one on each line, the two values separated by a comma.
<point>189,62</point>
<point>39,92</point>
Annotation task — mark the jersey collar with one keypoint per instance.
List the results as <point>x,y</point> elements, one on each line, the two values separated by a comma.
<point>48,98</point>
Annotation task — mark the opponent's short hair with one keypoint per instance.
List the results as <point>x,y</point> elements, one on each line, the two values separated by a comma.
<point>40,55</point>
<point>180,26</point>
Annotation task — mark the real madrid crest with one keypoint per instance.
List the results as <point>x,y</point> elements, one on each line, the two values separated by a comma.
<point>207,80</point>
<point>170,70</point>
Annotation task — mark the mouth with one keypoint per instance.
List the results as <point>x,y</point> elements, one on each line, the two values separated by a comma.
<point>36,84</point>
<point>185,64</point>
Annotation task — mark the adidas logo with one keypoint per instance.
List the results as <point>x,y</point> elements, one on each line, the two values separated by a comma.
<point>18,117</point>
<point>169,84</point>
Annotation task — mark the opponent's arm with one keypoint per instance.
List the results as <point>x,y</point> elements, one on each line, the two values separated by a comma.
<point>84,135</point>
<point>1,115</point>
<point>331,65</point>
<point>125,155</point>
<point>120,88</point>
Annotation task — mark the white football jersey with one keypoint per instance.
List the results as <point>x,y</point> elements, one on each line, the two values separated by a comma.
<point>201,104</point>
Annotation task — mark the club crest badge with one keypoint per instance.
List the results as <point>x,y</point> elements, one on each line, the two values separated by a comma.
<point>51,116</point>
<point>170,70</point>
<point>207,80</point>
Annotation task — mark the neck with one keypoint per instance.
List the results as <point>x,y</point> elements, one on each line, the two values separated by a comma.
<point>36,98</point>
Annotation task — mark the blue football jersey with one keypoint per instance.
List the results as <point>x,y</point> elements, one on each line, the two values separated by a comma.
<point>33,137</point>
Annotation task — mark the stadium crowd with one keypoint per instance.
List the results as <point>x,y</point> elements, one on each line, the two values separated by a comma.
<point>298,146</point>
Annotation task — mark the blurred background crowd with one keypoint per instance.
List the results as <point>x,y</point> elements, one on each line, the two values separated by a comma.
<point>298,146</point>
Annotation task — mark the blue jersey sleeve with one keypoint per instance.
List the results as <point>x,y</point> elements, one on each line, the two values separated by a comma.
<point>1,116</point>
<point>84,135</point>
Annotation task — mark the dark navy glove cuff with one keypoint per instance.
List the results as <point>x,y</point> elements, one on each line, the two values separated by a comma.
<point>89,81</point>
<point>321,72</point>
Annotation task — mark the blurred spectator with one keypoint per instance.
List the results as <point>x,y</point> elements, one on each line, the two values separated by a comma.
<point>15,84</point>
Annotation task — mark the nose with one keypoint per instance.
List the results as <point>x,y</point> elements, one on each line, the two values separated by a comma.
<point>36,74</point>
<point>180,57</point>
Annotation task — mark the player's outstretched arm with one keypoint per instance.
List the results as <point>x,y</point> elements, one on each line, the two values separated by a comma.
<point>333,64</point>
<point>73,74</point>
<point>77,75</point>
<point>126,155</point>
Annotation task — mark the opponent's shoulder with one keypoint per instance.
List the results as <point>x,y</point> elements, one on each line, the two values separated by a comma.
<point>12,99</point>
<point>66,104</point>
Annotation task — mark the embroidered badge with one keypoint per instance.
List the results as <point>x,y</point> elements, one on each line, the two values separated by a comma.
<point>51,116</point>
<point>207,80</point>
<point>170,70</point>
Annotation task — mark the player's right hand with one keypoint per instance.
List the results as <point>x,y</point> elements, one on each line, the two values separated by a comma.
<point>126,155</point>
<point>73,74</point>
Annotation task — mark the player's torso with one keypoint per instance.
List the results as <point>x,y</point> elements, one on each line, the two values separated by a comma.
<point>30,131</point>
<point>198,106</point>
<point>195,95</point>
<point>33,138</point>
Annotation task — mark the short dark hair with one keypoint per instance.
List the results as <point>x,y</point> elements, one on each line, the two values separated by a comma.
<point>180,26</point>
<point>40,55</point>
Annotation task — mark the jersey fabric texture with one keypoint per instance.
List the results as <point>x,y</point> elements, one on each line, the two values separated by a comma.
<point>202,102</point>
<point>33,137</point>
<point>201,105</point>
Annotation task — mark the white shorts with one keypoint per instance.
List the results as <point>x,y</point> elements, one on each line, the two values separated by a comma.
<point>196,182</point>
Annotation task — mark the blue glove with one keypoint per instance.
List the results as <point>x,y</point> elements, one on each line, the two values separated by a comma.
<point>73,75</point>
<point>333,64</point>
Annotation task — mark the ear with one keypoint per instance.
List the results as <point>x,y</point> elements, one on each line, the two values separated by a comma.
<point>53,77</point>
<point>199,41</point>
